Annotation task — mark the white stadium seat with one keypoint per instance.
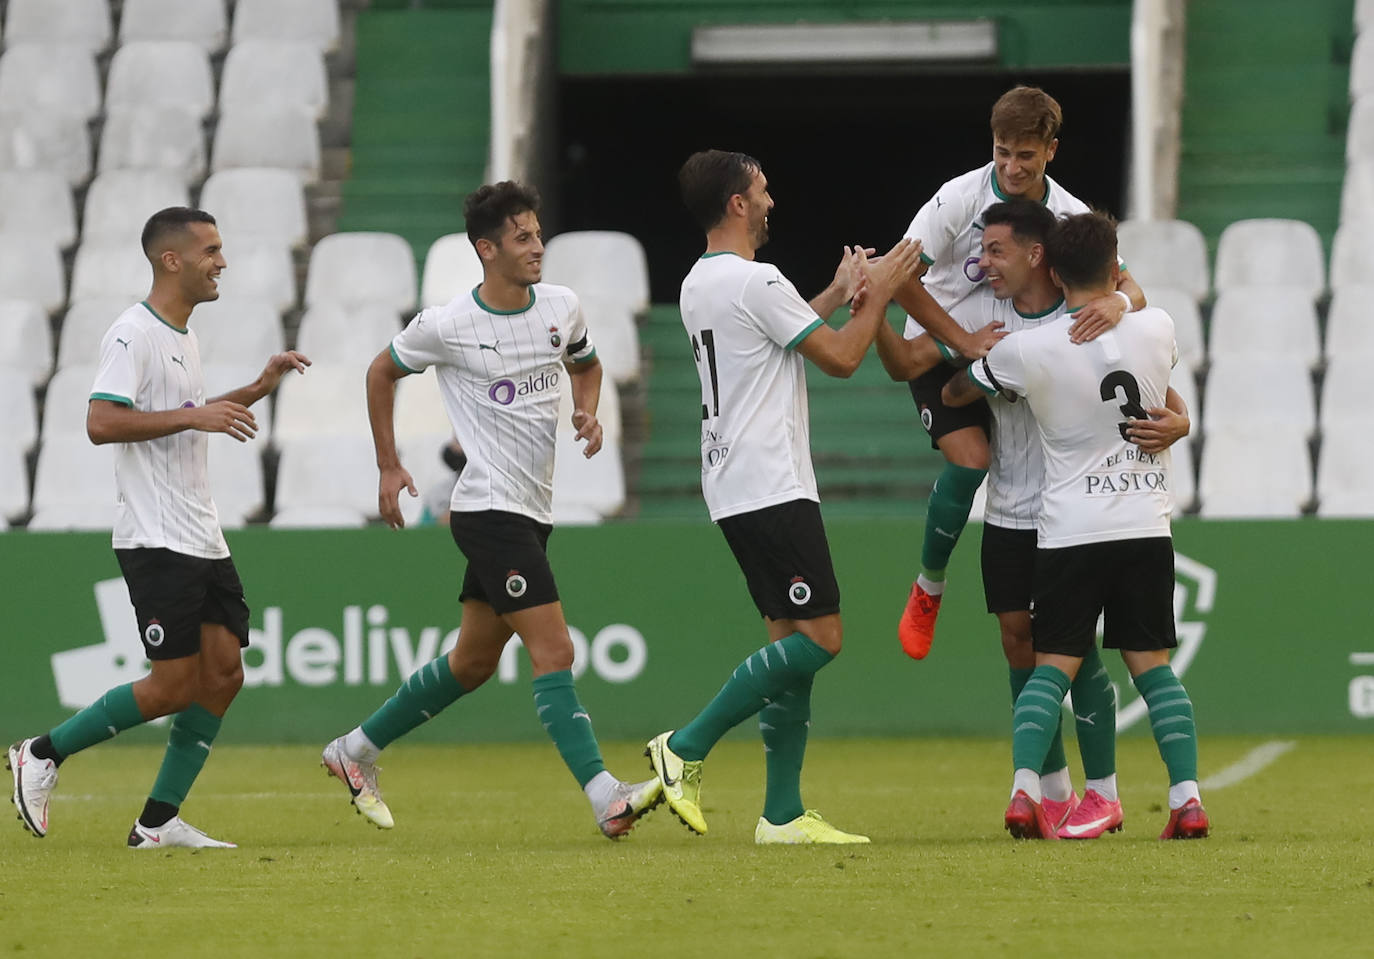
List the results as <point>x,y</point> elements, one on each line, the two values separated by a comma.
<point>201,21</point>
<point>31,269</point>
<point>318,517</point>
<point>26,340</point>
<point>1345,475</point>
<point>1181,306</point>
<point>1348,328</point>
<point>259,267</point>
<point>611,326</point>
<point>19,426</point>
<point>39,203</point>
<point>1362,66</point>
<point>1352,262</point>
<point>420,409</point>
<point>50,78</point>
<point>1183,474</point>
<point>14,483</point>
<point>1245,390</point>
<point>324,402</point>
<point>607,413</point>
<point>362,268</point>
<point>1183,381</point>
<point>161,73</point>
<point>1359,134</point>
<point>1168,253</point>
<point>1364,15</point>
<point>66,401</point>
<point>242,331</point>
<point>268,71</point>
<point>119,202</point>
<point>105,268</point>
<point>1270,253</point>
<point>286,138</point>
<point>328,471</point>
<point>1357,191</point>
<point>84,327</point>
<point>421,454</point>
<point>1345,398</point>
<point>585,491</point>
<point>309,21</point>
<point>165,137</point>
<point>1254,475</point>
<point>74,484</point>
<point>600,263</point>
<point>1265,321</point>
<point>452,268</point>
<point>222,377</point>
<point>47,142</point>
<point>344,337</point>
<point>85,23</point>
<point>236,478</point>
<point>257,200</point>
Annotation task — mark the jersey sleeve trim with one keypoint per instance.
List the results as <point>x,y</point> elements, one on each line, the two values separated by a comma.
<point>947,352</point>
<point>811,328</point>
<point>397,360</point>
<point>928,261</point>
<point>995,389</point>
<point>114,398</point>
<point>579,360</point>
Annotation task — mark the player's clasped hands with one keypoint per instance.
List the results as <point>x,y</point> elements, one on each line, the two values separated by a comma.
<point>885,274</point>
<point>589,429</point>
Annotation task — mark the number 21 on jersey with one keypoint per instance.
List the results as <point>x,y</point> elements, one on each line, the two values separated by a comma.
<point>708,340</point>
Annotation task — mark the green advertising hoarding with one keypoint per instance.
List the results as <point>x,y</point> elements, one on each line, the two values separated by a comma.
<point>1274,627</point>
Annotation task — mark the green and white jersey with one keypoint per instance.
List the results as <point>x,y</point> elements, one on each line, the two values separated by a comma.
<point>950,228</point>
<point>498,376</point>
<point>1099,486</point>
<point>1016,471</point>
<point>163,484</point>
<point>744,320</point>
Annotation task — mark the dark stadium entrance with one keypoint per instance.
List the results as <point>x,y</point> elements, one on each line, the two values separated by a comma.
<point>849,158</point>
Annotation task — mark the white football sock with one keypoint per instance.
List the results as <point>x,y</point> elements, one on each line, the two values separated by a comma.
<point>600,789</point>
<point>1027,781</point>
<point>1057,785</point>
<point>359,748</point>
<point>929,585</point>
<point>1106,788</point>
<point>1180,793</point>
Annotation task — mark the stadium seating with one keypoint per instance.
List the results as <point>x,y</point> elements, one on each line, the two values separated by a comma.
<point>166,73</point>
<point>14,483</point>
<point>1345,475</point>
<point>84,327</point>
<point>82,22</point>
<point>1345,398</point>
<point>1185,384</point>
<point>1352,260</point>
<point>19,426</point>
<point>586,491</point>
<point>49,78</point>
<point>56,142</point>
<point>109,268</point>
<point>65,403</point>
<point>607,411</point>
<point>420,409</point>
<point>284,74</point>
<point>236,478</point>
<point>120,201</point>
<point>421,456</point>
<point>1348,327</point>
<point>334,335</point>
<point>318,517</point>
<point>323,402</point>
<point>1357,191</point>
<point>452,268</point>
<point>327,471</point>
<point>1362,66</point>
<point>240,331</point>
<point>37,202</point>
<point>1268,252</point>
<point>223,377</point>
<point>1183,308</point>
<point>1265,321</point>
<point>282,137</point>
<point>307,21</point>
<point>1166,253</point>
<point>259,267</point>
<point>165,137</point>
<point>1359,137</point>
<point>1364,14</point>
<point>1254,475</point>
<point>1245,390</point>
<point>26,348</point>
<point>31,269</point>
<point>74,484</point>
<point>600,263</point>
<point>1184,492</point>
<point>200,21</point>
<point>260,201</point>
<point>611,326</point>
<point>354,269</point>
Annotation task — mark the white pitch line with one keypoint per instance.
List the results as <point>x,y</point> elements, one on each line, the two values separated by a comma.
<point>1255,760</point>
<point>1362,659</point>
<point>111,797</point>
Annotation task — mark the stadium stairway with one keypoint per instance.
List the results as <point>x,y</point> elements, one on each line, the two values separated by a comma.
<point>420,136</point>
<point>1264,120</point>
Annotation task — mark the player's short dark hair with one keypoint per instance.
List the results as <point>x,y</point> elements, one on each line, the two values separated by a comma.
<point>1082,249</point>
<point>486,209</point>
<point>163,223</point>
<point>709,178</point>
<point>1026,113</point>
<point>1030,222</point>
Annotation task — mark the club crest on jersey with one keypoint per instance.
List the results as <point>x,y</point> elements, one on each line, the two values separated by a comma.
<point>799,592</point>
<point>926,418</point>
<point>516,584</point>
<point>154,634</point>
<point>555,340</point>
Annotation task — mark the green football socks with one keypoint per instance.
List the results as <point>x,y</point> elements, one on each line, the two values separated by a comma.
<point>1094,713</point>
<point>109,715</point>
<point>1171,721</point>
<point>784,724</point>
<point>759,680</point>
<point>946,514</point>
<point>1055,758</point>
<point>1036,716</point>
<point>193,733</point>
<point>568,725</point>
<point>423,696</point>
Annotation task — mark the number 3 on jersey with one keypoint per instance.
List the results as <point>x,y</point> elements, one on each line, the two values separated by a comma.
<point>708,340</point>
<point>1126,383</point>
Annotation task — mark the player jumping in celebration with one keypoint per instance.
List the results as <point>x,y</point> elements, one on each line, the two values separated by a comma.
<point>1025,128</point>
<point>149,397</point>
<point>492,349</point>
<point>1104,542</point>
<point>749,331</point>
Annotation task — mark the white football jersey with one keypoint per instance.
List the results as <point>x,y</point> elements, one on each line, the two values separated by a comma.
<point>498,376</point>
<point>950,228</point>
<point>1016,471</point>
<point>744,320</point>
<point>163,484</point>
<point>1099,487</point>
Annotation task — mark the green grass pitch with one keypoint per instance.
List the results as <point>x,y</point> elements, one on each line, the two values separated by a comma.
<point>495,854</point>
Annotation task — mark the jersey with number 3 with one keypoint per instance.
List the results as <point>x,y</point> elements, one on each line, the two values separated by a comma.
<point>1099,487</point>
<point>745,320</point>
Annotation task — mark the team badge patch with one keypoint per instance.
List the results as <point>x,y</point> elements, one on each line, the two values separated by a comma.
<point>515,584</point>
<point>799,592</point>
<point>926,418</point>
<point>154,634</point>
<point>555,340</point>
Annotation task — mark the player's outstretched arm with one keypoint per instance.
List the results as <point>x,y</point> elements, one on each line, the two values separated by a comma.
<point>382,375</point>
<point>848,278</point>
<point>269,379</point>
<point>586,395</point>
<point>839,352</point>
<point>913,297</point>
<point>1166,426</point>
<point>111,422</point>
